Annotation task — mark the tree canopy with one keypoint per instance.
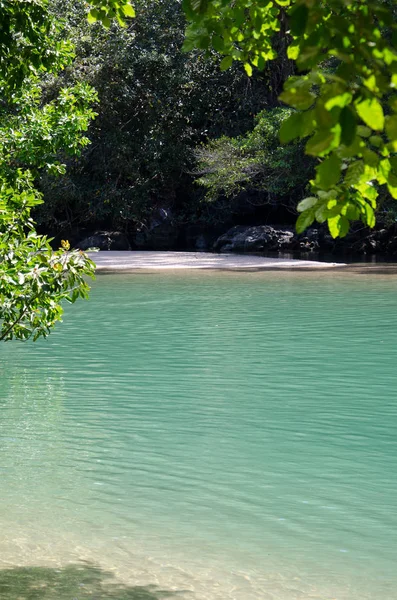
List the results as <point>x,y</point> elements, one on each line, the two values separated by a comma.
<point>343,93</point>
<point>155,105</point>
<point>34,279</point>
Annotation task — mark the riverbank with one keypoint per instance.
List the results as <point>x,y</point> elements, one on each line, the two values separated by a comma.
<point>129,261</point>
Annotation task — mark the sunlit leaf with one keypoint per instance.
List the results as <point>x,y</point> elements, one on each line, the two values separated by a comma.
<point>328,172</point>
<point>307,203</point>
<point>338,226</point>
<point>371,112</point>
<point>304,220</point>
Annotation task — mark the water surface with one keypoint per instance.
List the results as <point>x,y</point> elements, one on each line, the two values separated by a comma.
<point>205,435</point>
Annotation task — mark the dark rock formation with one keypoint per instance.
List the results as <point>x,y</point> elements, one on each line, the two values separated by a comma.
<point>200,237</point>
<point>105,240</point>
<point>255,239</point>
<point>267,238</point>
<point>161,233</point>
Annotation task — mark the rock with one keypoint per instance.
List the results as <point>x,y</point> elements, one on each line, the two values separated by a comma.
<point>105,240</point>
<point>201,243</point>
<point>255,239</point>
<point>391,246</point>
<point>160,234</point>
<point>200,237</point>
<point>309,241</point>
<point>160,237</point>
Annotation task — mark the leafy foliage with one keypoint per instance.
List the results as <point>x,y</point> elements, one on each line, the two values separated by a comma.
<point>155,105</point>
<point>347,114</point>
<point>256,160</point>
<point>106,11</point>
<point>34,279</point>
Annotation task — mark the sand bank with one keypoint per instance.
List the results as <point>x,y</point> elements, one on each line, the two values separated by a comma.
<point>135,260</point>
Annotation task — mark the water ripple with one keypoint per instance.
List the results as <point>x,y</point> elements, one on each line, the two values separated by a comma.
<point>228,422</point>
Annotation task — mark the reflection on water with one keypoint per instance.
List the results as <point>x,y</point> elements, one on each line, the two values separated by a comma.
<point>211,435</point>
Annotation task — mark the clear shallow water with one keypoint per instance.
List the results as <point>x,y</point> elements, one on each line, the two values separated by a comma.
<point>208,436</point>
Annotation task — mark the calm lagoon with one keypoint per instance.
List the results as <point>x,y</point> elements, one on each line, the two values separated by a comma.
<point>205,435</point>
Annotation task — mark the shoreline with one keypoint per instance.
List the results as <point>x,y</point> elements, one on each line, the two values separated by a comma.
<point>112,261</point>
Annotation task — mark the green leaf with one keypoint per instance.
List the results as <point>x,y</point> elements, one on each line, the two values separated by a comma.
<point>218,43</point>
<point>293,51</point>
<point>291,128</point>
<point>392,190</point>
<point>338,226</point>
<point>393,103</point>
<point>348,123</point>
<point>297,93</point>
<point>248,69</point>
<point>370,157</point>
<point>226,63</point>
<point>333,208</point>
<point>307,203</point>
<point>340,100</point>
<point>369,192</point>
<point>308,123</point>
<point>354,172</point>
<point>376,141</point>
<point>369,215</point>
<point>92,16</point>
<point>391,127</point>
<point>298,97</point>
<point>393,164</point>
<point>320,143</point>
<point>128,11</point>
<point>304,220</point>
<point>351,211</point>
<point>392,185</point>
<point>321,213</point>
<point>298,18</point>
<point>363,131</point>
<point>328,172</point>
<point>371,112</point>
<point>383,171</point>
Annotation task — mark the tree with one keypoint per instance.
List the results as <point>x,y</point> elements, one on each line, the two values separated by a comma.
<point>256,162</point>
<point>34,279</point>
<point>155,105</point>
<point>344,95</point>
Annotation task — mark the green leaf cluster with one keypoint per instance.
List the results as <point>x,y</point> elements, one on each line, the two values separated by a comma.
<point>347,114</point>
<point>35,133</point>
<point>34,279</point>
<point>106,11</point>
<point>256,162</point>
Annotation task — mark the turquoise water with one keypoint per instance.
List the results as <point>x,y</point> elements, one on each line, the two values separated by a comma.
<point>207,436</point>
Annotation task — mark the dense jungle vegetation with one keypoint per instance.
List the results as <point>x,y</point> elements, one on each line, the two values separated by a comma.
<point>173,132</point>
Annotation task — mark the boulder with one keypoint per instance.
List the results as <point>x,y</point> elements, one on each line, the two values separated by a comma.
<point>200,237</point>
<point>105,240</point>
<point>257,238</point>
<point>160,234</point>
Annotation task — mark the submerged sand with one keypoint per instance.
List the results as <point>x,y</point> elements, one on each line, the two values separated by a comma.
<point>133,260</point>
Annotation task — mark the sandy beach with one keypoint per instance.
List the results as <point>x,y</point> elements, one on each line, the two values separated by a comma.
<point>136,260</point>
